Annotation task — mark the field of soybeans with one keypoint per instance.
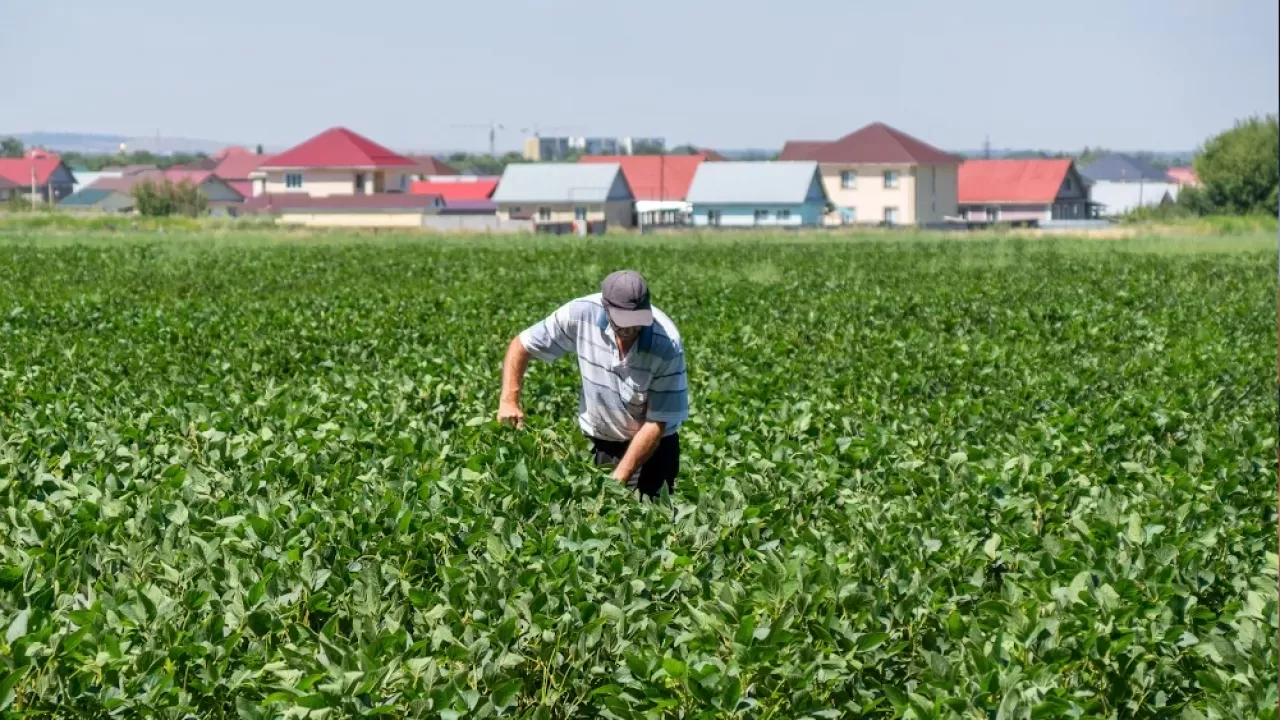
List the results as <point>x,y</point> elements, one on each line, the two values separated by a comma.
<point>256,475</point>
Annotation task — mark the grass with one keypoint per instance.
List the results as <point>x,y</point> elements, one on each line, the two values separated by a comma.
<point>254,474</point>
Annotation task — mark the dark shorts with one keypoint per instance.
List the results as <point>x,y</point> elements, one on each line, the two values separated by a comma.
<point>660,469</point>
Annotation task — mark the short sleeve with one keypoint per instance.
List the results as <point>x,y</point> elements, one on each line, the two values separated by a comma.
<point>669,392</point>
<point>553,336</point>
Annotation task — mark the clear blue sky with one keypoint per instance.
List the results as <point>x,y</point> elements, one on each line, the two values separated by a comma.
<point>1126,74</point>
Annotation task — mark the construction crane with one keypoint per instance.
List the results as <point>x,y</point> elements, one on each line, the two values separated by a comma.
<point>493,128</point>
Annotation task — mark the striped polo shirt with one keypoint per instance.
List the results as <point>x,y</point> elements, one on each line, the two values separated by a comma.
<point>619,394</point>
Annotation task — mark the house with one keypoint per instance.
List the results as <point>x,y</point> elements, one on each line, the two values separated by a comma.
<point>102,200</point>
<point>223,199</point>
<point>52,179</point>
<point>233,166</point>
<point>8,188</point>
<point>879,174</point>
<point>1122,183</point>
<point>762,193</point>
<point>1023,192</point>
<point>1183,176</point>
<point>335,162</point>
<point>660,184</point>
<point>557,197</point>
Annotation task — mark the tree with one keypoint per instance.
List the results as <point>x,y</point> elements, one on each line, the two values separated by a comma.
<point>162,199</point>
<point>646,148</point>
<point>1240,169</point>
<point>12,147</point>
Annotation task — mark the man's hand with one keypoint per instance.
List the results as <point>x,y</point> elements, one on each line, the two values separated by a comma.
<point>509,413</point>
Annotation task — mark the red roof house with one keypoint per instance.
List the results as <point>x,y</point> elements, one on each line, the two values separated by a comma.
<point>234,164</point>
<point>222,196</point>
<point>335,162</point>
<point>1026,192</point>
<point>53,179</point>
<point>879,174</point>
<point>1183,175</point>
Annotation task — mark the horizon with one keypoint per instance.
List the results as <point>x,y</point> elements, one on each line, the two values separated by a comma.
<point>1152,75</point>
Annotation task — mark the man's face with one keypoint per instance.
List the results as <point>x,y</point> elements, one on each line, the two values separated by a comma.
<point>626,333</point>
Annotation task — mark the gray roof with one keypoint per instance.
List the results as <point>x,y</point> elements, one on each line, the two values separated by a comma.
<point>1119,167</point>
<point>87,196</point>
<point>781,182</point>
<point>562,183</point>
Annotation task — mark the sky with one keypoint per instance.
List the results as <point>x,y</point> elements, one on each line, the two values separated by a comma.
<point>1123,74</point>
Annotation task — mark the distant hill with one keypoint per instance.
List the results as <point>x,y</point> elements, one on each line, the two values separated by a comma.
<point>1166,156</point>
<point>98,144</point>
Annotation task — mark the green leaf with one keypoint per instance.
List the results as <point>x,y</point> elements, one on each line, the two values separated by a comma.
<point>505,693</point>
<point>17,626</point>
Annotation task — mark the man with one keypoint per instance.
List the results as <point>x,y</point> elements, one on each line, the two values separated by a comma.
<point>634,392</point>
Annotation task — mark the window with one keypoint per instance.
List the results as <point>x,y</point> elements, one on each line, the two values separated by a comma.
<point>891,178</point>
<point>965,213</point>
<point>1066,184</point>
<point>359,186</point>
<point>404,183</point>
<point>293,180</point>
<point>891,216</point>
<point>849,179</point>
<point>713,217</point>
<point>784,215</point>
<point>544,214</point>
<point>993,214</point>
<point>762,215</point>
<point>580,213</point>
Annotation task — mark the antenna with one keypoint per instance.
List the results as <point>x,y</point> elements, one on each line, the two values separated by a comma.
<point>986,148</point>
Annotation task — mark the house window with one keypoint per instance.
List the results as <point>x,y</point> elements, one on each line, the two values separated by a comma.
<point>891,216</point>
<point>580,213</point>
<point>784,215</point>
<point>359,186</point>
<point>993,214</point>
<point>1066,185</point>
<point>544,214</point>
<point>713,217</point>
<point>849,179</point>
<point>891,178</point>
<point>965,213</point>
<point>762,215</point>
<point>293,180</point>
<point>404,183</point>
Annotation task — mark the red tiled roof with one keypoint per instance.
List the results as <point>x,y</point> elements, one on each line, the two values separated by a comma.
<point>1011,181</point>
<point>654,177</point>
<point>875,143</point>
<point>6,183</point>
<point>351,203</point>
<point>244,187</point>
<point>338,148</point>
<point>711,155</point>
<point>18,170</point>
<point>238,165</point>
<point>801,149</point>
<point>450,191</point>
<point>428,165</point>
<point>1183,175</point>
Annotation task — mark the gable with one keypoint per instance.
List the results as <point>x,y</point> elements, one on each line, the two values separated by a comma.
<point>61,176</point>
<point>817,191</point>
<point>1073,186</point>
<point>620,191</point>
<point>218,191</point>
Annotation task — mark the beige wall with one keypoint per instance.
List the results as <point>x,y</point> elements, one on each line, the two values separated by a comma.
<point>925,194</point>
<point>323,183</point>
<point>938,193</point>
<point>871,197</point>
<point>407,219</point>
<point>616,214</point>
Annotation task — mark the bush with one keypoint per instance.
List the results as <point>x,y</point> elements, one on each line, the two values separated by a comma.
<point>162,199</point>
<point>1240,169</point>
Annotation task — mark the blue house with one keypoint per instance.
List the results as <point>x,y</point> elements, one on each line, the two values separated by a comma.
<point>758,194</point>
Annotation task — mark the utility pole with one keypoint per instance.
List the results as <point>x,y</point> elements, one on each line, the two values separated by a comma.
<point>986,148</point>
<point>33,180</point>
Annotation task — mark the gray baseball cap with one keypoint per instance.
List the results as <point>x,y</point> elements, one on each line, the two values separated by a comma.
<point>626,298</point>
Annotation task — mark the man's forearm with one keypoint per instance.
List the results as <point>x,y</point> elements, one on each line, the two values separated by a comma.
<point>514,366</point>
<point>640,450</point>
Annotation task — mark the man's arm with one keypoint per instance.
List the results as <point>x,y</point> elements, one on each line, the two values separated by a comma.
<point>513,368</point>
<point>641,448</point>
